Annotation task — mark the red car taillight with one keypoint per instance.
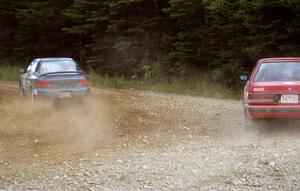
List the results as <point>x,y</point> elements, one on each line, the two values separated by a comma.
<point>254,98</point>
<point>84,82</point>
<point>43,83</point>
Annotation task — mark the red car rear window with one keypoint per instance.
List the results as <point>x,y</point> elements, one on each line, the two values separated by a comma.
<point>278,71</point>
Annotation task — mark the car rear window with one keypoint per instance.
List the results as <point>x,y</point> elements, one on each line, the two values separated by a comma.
<point>278,71</point>
<point>57,66</point>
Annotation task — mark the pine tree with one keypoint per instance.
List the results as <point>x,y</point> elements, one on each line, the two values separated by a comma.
<point>39,32</point>
<point>8,24</point>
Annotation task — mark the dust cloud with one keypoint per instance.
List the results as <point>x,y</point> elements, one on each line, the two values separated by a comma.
<point>53,128</point>
<point>260,130</point>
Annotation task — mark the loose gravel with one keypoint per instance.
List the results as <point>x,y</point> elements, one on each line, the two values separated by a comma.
<point>152,142</point>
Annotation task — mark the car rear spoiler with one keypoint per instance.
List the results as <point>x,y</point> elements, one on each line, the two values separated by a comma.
<point>66,72</point>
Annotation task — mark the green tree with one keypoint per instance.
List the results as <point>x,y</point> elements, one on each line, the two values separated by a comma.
<point>184,44</point>
<point>123,36</point>
<point>39,32</point>
<point>8,23</point>
<point>153,38</point>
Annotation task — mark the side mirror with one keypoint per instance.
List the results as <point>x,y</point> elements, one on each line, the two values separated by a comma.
<point>22,70</point>
<point>243,77</point>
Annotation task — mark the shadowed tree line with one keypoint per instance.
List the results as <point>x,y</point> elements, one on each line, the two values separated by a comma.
<point>152,39</point>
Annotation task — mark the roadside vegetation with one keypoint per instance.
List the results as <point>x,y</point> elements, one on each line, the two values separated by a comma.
<point>196,86</point>
<point>153,40</point>
<point>9,72</point>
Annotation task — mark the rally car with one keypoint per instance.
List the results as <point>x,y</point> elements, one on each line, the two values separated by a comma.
<point>273,89</point>
<point>59,78</point>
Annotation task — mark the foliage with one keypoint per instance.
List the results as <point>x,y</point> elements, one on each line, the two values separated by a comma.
<point>8,72</point>
<point>153,39</point>
<point>195,86</point>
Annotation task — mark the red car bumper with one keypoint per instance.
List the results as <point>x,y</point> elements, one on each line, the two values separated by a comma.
<point>274,111</point>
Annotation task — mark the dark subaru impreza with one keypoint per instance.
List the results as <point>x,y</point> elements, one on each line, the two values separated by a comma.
<point>55,78</point>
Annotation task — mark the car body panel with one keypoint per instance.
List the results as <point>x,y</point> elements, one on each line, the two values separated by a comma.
<point>264,99</point>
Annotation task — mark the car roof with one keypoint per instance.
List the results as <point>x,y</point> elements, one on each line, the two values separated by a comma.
<point>283,59</point>
<point>54,59</point>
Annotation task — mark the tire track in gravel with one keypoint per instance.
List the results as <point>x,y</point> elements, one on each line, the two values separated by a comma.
<point>133,140</point>
<point>113,118</point>
<point>47,131</point>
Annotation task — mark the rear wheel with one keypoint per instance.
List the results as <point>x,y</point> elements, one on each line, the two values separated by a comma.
<point>257,125</point>
<point>247,122</point>
<point>33,96</point>
<point>250,123</point>
<point>21,89</point>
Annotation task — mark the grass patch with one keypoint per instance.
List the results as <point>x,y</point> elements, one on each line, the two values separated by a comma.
<point>195,87</point>
<point>199,86</point>
<point>8,72</point>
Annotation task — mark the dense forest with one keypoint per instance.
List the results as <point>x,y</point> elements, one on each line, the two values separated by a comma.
<point>152,39</point>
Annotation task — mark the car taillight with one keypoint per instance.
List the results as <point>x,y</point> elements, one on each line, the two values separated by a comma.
<point>43,83</point>
<point>84,82</point>
<point>261,98</point>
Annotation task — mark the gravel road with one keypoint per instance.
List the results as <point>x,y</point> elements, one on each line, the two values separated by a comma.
<point>131,140</point>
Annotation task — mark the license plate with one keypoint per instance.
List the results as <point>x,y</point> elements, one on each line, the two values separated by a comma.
<point>289,99</point>
<point>65,95</point>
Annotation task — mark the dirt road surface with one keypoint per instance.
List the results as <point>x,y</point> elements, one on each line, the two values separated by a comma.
<point>129,140</point>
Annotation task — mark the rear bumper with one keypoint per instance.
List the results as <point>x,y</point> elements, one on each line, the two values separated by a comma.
<point>274,111</point>
<point>55,93</point>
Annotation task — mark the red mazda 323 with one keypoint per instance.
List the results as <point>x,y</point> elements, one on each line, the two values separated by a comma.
<point>273,89</point>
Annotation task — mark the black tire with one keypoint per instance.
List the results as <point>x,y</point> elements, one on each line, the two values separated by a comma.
<point>22,93</point>
<point>247,122</point>
<point>32,96</point>
<point>251,124</point>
